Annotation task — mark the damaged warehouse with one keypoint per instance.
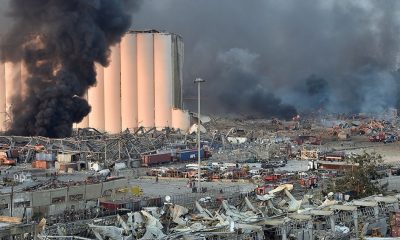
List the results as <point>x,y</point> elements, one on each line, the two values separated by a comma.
<point>262,187</point>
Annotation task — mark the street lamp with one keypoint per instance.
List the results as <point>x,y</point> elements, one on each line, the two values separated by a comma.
<point>198,81</point>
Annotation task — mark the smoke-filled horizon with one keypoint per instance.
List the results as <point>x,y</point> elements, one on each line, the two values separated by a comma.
<point>270,58</point>
<point>59,41</point>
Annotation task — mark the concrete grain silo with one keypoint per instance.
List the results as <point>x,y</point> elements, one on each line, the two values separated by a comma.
<point>24,77</point>
<point>96,100</point>
<point>142,86</point>
<point>13,83</point>
<point>2,97</point>
<point>145,69</point>
<point>129,83</point>
<point>180,119</point>
<point>163,82</point>
<point>177,73</point>
<point>112,92</point>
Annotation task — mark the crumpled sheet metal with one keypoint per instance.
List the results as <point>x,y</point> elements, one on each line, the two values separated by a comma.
<point>111,232</point>
<point>176,213</point>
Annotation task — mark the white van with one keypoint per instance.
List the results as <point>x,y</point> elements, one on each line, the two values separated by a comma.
<point>255,172</point>
<point>227,166</point>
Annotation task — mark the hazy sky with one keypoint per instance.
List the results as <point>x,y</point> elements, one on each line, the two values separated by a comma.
<point>336,55</point>
<point>3,19</point>
<point>263,56</point>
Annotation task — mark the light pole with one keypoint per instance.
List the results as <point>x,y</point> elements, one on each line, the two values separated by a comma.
<point>198,81</point>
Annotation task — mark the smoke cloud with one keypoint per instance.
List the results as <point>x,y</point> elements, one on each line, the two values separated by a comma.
<point>59,41</point>
<point>237,70</point>
<point>337,56</point>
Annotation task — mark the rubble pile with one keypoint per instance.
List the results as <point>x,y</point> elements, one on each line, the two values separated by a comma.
<point>277,214</point>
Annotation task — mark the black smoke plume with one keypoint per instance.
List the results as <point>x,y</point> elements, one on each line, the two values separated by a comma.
<point>353,45</point>
<point>243,91</point>
<point>60,41</point>
<point>314,92</point>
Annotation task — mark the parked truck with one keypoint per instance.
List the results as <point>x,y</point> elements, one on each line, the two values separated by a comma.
<point>154,159</point>
<point>272,177</point>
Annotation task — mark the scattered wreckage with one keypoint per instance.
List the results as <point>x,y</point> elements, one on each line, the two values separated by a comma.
<point>277,214</point>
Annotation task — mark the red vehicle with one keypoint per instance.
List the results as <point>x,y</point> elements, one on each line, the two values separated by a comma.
<point>262,190</point>
<point>313,140</point>
<point>7,162</point>
<point>309,182</point>
<point>272,177</point>
<point>380,137</point>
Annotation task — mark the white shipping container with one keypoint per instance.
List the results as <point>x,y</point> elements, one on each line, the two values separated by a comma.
<point>45,156</point>
<point>64,158</point>
<point>119,166</point>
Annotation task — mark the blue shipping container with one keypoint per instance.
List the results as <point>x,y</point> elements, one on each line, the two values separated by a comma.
<point>187,155</point>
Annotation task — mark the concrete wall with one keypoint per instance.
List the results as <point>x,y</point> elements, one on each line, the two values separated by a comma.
<point>55,201</point>
<point>5,204</point>
<point>93,191</point>
<point>22,203</point>
<point>42,198</point>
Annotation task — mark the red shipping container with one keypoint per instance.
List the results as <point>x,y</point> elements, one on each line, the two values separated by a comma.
<point>110,205</point>
<point>153,159</point>
<point>41,164</point>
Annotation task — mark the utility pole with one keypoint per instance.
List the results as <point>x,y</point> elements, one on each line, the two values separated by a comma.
<point>198,81</point>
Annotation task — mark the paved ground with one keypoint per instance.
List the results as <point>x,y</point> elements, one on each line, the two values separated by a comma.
<point>174,187</point>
